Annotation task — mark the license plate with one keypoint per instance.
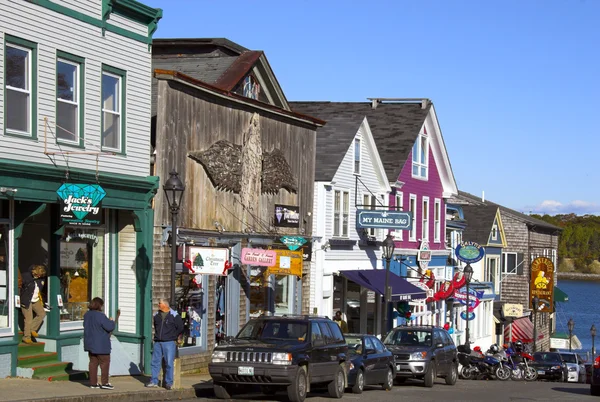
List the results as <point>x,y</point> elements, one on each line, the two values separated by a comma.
<point>541,372</point>
<point>245,370</point>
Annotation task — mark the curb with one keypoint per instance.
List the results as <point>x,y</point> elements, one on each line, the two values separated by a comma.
<point>141,396</point>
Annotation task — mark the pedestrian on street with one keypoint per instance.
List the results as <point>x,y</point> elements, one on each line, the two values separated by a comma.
<point>340,321</point>
<point>31,301</point>
<point>97,328</point>
<point>167,328</point>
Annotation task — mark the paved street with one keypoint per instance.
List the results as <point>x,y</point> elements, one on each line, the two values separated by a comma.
<point>462,391</point>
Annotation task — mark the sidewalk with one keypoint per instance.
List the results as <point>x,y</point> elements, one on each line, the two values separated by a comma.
<point>127,389</point>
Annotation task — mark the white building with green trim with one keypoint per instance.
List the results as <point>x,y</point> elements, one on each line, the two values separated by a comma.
<point>75,185</point>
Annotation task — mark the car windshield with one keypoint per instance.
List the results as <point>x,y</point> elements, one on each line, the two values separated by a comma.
<point>291,331</point>
<point>547,357</point>
<point>408,337</point>
<point>568,358</point>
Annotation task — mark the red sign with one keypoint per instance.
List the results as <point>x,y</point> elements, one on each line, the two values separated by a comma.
<point>259,257</point>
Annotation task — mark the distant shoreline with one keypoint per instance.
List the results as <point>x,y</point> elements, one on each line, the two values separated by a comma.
<point>578,276</point>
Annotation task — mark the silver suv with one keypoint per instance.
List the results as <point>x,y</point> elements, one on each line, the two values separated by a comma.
<point>423,352</point>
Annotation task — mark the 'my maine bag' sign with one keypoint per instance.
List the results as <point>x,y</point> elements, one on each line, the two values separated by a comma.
<point>81,204</point>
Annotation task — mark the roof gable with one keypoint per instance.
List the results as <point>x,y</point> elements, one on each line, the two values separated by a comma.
<point>501,235</point>
<point>480,219</point>
<point>440,153</point>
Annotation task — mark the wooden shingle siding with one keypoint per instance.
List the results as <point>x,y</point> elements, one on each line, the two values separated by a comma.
<point>48,29</point>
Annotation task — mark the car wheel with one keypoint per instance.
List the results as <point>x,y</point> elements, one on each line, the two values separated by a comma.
<point>297,390</point>
<point>336,387</point>
<point>389,382</point>
<point>359,384</point>
<point>222,391</point>
<point>451,378</point>
<point>595,390</point>
<point>430,375</point>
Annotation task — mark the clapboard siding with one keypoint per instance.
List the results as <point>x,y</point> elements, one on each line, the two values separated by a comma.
<point>128,24</point>
<point>53,31</point>
<point>127,285</point>
<point>92,8</point>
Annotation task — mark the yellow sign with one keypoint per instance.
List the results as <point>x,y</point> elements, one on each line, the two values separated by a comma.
<point>512,310</point>
<point>542,285</point>
<point>287,262</point>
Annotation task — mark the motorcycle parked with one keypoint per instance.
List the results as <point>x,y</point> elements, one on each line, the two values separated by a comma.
<point>518,362</point>
<point>480,365</point>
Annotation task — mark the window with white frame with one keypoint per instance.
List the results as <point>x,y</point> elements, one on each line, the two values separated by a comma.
<point>437,220</point>
<point>398,234</point>
<point>68,101</point>
<point>412,207</point>
<point>509,263</point>
<point>357,155</point>
<point>370,202</point>
<point>341,209</point>
<point>420,157</point>
<point>19,84</point>
<point>113,109</point>
<point>425,219</point>
<point>495,232</point>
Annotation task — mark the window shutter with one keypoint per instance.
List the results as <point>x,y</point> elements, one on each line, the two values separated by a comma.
<point>520,263</point>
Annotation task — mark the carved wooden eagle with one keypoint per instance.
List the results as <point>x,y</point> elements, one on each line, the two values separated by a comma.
<point>223,164</point>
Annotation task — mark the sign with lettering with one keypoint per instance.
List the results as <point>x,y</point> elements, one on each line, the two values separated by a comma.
<point>542,285</point>
<point>512,310</point>
<point>287,216</point>
<point>293,242</point>
<point>81,204</point>
<point>469,252</point>
<point>307,251</point>
<point>208,260</point>
<point>287,262</point>
<point>464,316</point>
<point>474,297</point>
<point>258,257</point>
<point>366,218</point>
<point>423,286</point>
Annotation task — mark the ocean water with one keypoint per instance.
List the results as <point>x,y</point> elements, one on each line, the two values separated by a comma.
<point>584,307</point>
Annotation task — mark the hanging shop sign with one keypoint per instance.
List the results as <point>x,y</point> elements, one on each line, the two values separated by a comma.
<point>512,310</point>
<point>474,297</point>
<point>367,218</point>
<point>423,286</point>
<point>542,284</point>
<point>424,255</point>
<point>208,260</point>
<point>287,216</point>
<point>469,252</point>
<point>288,262</point>
<point>81,204</point>
<point>293,242</point>
<point>307,251</point>
<point>258,257</point>
<point>470,317</point>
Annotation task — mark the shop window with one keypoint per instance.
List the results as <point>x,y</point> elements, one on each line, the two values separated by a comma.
<point>81,271</point>
<point>284,294</point>
<point>191,305</point>
<point>258,283</point>
<point>353,307</point>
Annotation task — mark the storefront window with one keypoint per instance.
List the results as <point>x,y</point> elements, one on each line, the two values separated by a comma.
<point>284,294</point>
<point>4,265</point>
<point>191,305</point>
<point>258,284</point>
<point>338,293</point>
<point>353,307</point>
<point>81,271</point>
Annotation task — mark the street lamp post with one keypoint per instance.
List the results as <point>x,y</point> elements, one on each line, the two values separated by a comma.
<point>173,189</point>
<point>571,326</point>
<point>534,303</point>
<point>387,250</point>
<point>468,273</point>
<point>593,334</point>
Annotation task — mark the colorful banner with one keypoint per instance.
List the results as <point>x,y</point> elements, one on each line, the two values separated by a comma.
<point>258,257</point>
<point>542,284</point>
<point>287,262</point>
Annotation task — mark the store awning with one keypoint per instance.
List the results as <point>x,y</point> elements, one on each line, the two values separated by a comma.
<point>560,296</point>
<point>374,279</point>
<point>521,329</point>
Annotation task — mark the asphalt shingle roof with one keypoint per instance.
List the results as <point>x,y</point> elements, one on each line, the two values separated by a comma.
<point>480,219</point>
<point>395,127</point>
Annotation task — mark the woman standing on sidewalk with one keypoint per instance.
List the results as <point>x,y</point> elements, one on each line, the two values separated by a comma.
<point>96,341</point>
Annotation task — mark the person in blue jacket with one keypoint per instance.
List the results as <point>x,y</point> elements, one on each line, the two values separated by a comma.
<point>97,329</point>
<point>168,325</point>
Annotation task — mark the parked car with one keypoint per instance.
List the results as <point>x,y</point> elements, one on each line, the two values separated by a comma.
<point>575,367</point>
<point>289,353</point>
<point>550,366</point>
<point>423,352</point>
<point>370,363</point>
<point>595,384</point>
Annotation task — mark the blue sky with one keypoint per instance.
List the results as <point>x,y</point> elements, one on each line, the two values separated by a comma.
<point>515,83</point>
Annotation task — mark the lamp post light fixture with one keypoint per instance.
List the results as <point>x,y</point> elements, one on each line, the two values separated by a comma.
<point>387,251</point>
<point>173,189</point>
<point>534,304</point>
<point>468,273</point>
<point>571,326</point>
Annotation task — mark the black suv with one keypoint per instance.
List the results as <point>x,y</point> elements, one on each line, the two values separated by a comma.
<point>423,352</point>
<point>288,353</point>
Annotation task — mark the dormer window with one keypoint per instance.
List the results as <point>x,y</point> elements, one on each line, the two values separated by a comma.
<point>357,155</point>
<point>251,88</point>
<point>420,157</point>
<point>494,232</point>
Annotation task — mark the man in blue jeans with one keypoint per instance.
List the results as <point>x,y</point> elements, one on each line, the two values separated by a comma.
<point>167,328</point>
